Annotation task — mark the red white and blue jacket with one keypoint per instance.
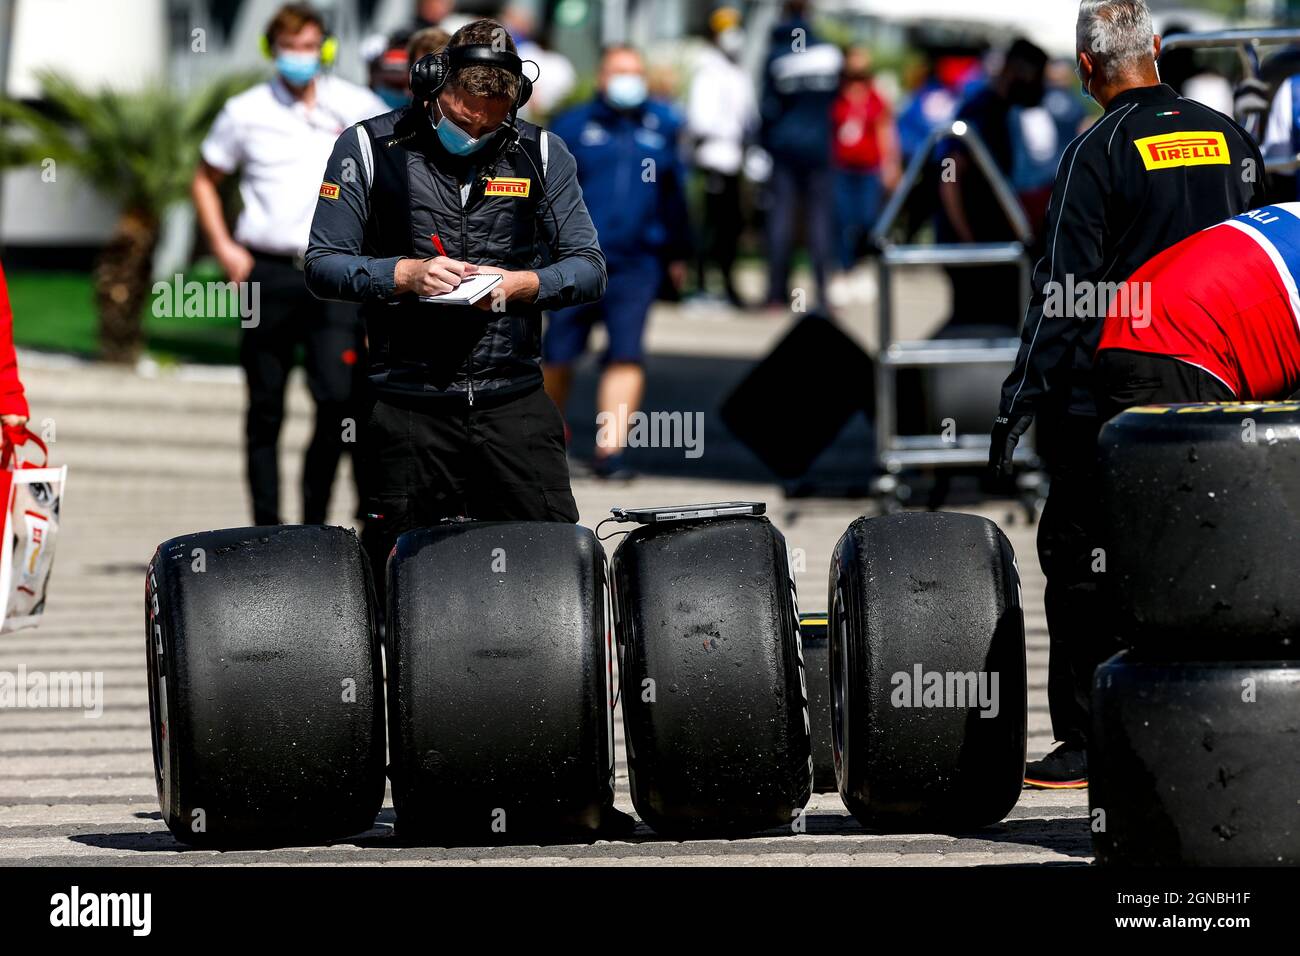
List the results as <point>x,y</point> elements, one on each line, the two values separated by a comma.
<point>12,399</point>
<point>1224,300</point>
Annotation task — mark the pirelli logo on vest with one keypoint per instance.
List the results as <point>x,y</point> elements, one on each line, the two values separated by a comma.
<point>329,191</point>
<point>503,186</point>
<point>1184,149</point>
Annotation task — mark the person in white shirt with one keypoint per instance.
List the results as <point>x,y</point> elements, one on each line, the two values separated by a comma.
<point>278,137</point>
<point>721,116</point>
<point>1282,132</point>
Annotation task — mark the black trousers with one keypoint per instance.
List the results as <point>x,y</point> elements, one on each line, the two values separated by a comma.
<point>332,337</point>
<point>1071,545</point>
<point>1127,379</point>
<point>986,295</point>
<point>1068,539</point>
<point>807,192</point>
<point>720,235</point>
<point>491,461</point>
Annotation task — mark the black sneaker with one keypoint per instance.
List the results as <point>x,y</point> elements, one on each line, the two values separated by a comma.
<point>612,468</point>
<point>615,824</point>
<point>1065,768</point>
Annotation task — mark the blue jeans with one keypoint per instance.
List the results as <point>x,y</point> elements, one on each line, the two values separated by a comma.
<point>857,206</point>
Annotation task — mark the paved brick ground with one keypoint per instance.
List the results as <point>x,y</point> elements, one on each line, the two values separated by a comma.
<point>152,458</point>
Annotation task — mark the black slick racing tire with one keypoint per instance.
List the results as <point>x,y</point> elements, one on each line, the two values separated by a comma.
<point>928,685</point>
<point>817,673</point>
<point>714,706</point>
<point>1201,513</point>
<point>265,688</point>
<point>1193,763</point>
<point>499,683</point>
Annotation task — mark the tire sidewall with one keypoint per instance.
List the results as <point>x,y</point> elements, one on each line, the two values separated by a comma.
<point>162,708</point>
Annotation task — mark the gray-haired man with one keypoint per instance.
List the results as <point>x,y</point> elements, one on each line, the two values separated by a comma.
<point>1155,169</point>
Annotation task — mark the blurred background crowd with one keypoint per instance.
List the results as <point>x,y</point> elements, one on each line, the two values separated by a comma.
<point>780,131</point>
<point>789,154</point>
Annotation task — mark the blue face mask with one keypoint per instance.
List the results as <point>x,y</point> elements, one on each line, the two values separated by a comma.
<point>393,99</point>
<point>626,91</point>
<point>1084,87</point>
<point>458,142</point>
<point>297,69</point>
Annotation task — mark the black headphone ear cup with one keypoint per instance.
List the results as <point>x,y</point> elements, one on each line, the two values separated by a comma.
<point>525,92</point>
<point>428,74</point>
<point>418,78</point>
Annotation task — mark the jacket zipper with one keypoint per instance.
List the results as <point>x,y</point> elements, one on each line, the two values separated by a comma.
<point>464,245</point>
<point>623,183</point>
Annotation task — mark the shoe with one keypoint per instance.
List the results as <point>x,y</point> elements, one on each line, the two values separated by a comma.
<point>1065,768</point>
<point>612,468</point>
<point>615,824</point>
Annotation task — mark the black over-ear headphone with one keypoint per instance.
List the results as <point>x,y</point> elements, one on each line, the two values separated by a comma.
<point>430,73</point>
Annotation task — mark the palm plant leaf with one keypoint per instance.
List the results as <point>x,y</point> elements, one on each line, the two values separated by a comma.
<point>43,137</point>
<point>138,147</point>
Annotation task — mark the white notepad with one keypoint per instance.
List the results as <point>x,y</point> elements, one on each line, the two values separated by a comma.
<point>468,292</point>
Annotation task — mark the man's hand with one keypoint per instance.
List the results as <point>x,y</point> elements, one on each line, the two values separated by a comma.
<point>236,261</point>
<point>13,421</point>
<point>514,287</point>
<point>1006,435</point>
<point>891,176</point>
<point>430,276</point>
<point>677,272</point>
<point>953,200</point>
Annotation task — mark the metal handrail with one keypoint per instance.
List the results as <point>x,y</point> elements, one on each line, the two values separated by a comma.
<point>957,129</point>
<point>935,353</point>
<point>895,452</point>
<point>955,254</point>
<point>1247,43</point>
<point>1268,36</point>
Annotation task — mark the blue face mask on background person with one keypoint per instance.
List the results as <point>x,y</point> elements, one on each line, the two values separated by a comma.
<point>732,42</point>
<point>297,69</point>
<point>393,99</point>
<point>626,91</point>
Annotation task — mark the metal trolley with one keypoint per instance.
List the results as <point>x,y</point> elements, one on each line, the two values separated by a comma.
<point>896,453</point>
<point>1253,97</point>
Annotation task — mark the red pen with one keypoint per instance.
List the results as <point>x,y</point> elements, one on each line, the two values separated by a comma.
<point>437,244</point>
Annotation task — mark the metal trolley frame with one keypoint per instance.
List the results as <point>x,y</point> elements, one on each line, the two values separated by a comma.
<point>1252,101</point>
<point>1251,110</point>
<point>897,453</point>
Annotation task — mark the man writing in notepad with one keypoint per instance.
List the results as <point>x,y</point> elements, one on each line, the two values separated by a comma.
<point>413,204</point>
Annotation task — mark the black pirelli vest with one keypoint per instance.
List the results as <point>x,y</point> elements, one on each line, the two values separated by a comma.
<point>453,352</point>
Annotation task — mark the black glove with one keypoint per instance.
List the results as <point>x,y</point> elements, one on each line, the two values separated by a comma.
<point>1006,435</point>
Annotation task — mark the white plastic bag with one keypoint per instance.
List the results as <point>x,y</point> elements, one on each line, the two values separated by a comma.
<point>33,494</point>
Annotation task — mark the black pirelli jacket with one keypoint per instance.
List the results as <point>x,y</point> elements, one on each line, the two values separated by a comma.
<point>389,188</point>
<point>1155,169</point>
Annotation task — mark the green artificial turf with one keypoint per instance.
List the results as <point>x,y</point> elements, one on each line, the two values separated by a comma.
<point>55,311</point>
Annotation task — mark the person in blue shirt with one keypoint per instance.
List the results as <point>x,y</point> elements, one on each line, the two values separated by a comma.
<point>800,82</point>
<point>930,105</point>
<point>633,180</point>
